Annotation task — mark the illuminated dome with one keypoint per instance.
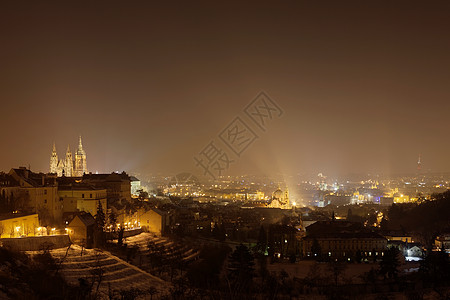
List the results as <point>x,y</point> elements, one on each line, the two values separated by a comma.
<point>278,194</point>
<point>280,199</point>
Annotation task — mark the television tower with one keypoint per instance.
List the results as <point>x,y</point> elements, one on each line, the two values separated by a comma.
<point>419,164</point>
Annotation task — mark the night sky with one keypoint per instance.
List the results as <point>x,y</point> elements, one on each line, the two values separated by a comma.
<point>364,85</point>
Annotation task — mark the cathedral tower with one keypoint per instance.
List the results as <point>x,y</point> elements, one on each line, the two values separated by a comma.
<point>80,160</point>
<point>54,161</point>
<point>68,164</point>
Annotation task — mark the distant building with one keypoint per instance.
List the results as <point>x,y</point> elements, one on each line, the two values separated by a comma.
<point>337,200</point>
<point>135,186</point>
<point>280,199</point>
<point>386,201</point>
<point>153,220</point>
<point>442,242</point>
<point>117,185</point>
<point>398,235</point>
<point>342,240</point>
<point>69,166</point>
<point>401,198</point>
<point>414,250</point>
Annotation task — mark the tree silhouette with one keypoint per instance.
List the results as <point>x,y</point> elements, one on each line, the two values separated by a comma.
<point>435,268</point>
<point>389,263</point>
<point>241,268</point>
<point>100,218</point>
<point>100,222</point>
<point>120,236</point>
<point>112,219</point>
<point>336,269</point>
<point>261,245</point>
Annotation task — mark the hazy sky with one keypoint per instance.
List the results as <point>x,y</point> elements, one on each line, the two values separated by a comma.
<point>364,85</point>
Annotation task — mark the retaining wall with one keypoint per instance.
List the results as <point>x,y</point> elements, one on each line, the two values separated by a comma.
<point>36,243</point>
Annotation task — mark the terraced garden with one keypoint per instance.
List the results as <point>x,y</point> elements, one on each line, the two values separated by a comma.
<point>161,256</point>
<point>106,274</point>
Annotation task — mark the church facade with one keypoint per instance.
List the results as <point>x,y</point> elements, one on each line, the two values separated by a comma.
<point>280,199</point>
<point>70,166</point>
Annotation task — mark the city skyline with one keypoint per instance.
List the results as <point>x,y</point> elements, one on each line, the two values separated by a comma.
<point>363,87</point>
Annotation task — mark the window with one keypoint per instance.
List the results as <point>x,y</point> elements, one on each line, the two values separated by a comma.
<point>90,196</point>
<point>45,192</point>
<point>82,195</point>
<point>45,200</point>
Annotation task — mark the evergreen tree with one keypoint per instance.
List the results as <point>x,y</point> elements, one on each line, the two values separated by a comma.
<point>349,213</point>
<point>100,218</point>
<point>218,232</point>
<point>384,223</point>
<point>112,221</point>
<point>271,245</point>
<point>100,222</point>
<point>262,241</point>
<point>120,237</point>
<point>435,268</point>
<point>389,263</point>
<point>241,268</point>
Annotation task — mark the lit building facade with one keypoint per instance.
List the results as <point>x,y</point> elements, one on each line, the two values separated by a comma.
<point>16,225</point>
<point>82,198</point>
<point>38,192</point>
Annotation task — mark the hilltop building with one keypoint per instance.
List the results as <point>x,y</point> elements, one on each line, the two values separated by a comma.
<point>68,166</point>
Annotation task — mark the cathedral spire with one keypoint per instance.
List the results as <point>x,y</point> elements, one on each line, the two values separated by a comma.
<point>80,160</point>
<point>54,160</point>
<point>68,163</point>
<point>80,145</point>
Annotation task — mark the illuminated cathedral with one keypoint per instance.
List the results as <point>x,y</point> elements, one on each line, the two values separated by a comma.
<point>69,166</point>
